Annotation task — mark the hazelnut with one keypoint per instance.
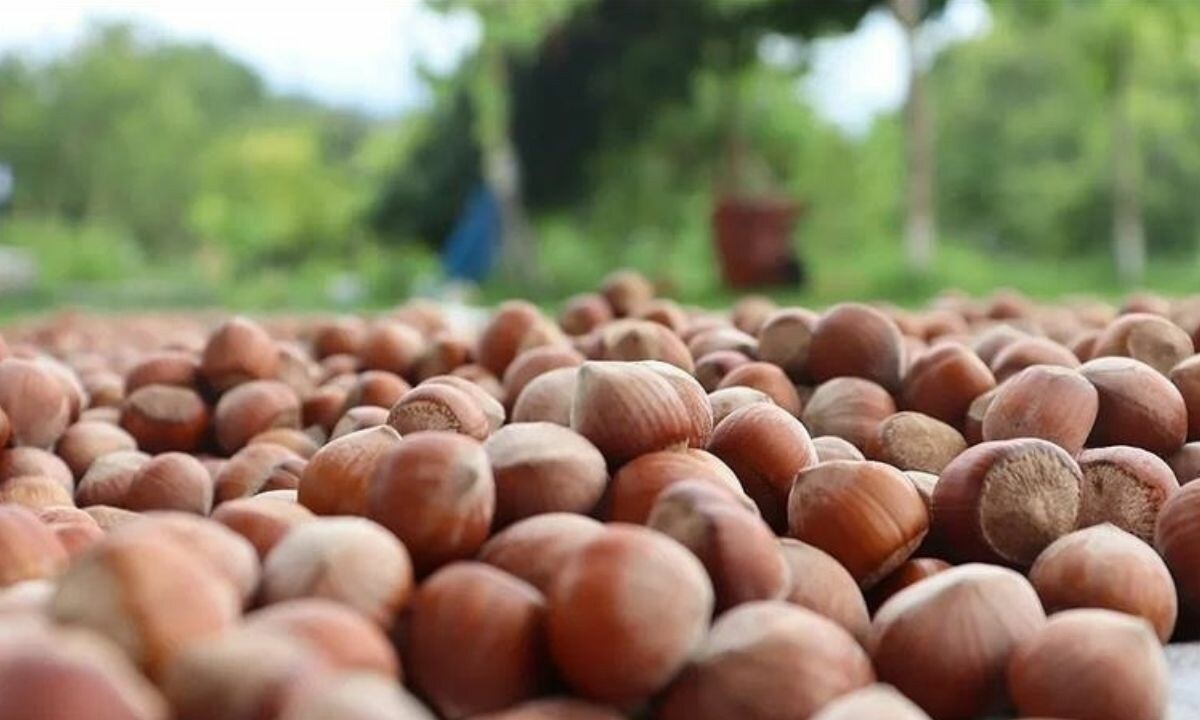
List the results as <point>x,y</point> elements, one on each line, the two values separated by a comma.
<point>103,389</point>
<point>737,548</point>
<point>255,468</point>
<point>323,407</point>
<point>343,334</point>
<point>662,311</point>
<point>554,709</point>
<point>241,675</point>
<point>262,521</point>
<point>1125,486</point>
<point>725,401</point>
<point>334,481</point>
<point>1186,378</point>
<point>1154,340</point>
<point>633,340</point>
<point>823,585</point>
<point>765,446</point>
<point>344,638</point>
<point>439,407</point>
<point>769,379</point>
<point>356,696</point>
<point>581,314</point>
<point>29,549</point>
<point>1090,663</point>
<point>443,354</point>
<point>337,366</point>
<point>536,548</point>
<point>5,429</point>
<point>1105,567</point>
<point>108,478</point>
<point>917,638</point>
<point>1084,345</point>
<point>295,440</point>
<point>626,613</point>
<point>1185,463</point>
<point>514,324</point>
<point>1138,406</point>
<point>547,398</point>
<point>911,572</point>
<point>849,408</point>
<point>1043,401</point>
<point>751,312</point>
<point>784,339</point>
<point>64,674</point>
<point>110,518</point>
<point>1177,538</point>
<point>34,492</point>
<point>479,378</point>
<point>251,408</point>
<point>392,346</point>
<point>359,418</point>
<point>542,467</point>
<point>973,423</point>
<point>434,491</point>
<point>378,388</point>
<point>630,409</point>
<point>238,351</point>
<point>36,405</point>
<point>85,441</point>
<point>476,640</point>
<point>801,662</point>
<point>107,414</point>
<point>1007,500</point>
<point>912,441</point>
<point>853,340</point>
<point>865,514</point>
<point>529,365</point>
<point>148,594</point>
<point>228,554</point>
<point>171,481</point>
<point>347,559</point>
<point>636,486</point>
<point>873,701</point>
<point>74,528</point>
<point>831,447</point>
<point>712,367</point>
<point>163,418</point>
<point>177,369</point>
<point>626,291</point>
<point>1026,352</point>
<point>725,341</point>
<point>492,409</point>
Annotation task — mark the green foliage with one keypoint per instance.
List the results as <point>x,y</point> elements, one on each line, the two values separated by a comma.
<point>1024,127</point>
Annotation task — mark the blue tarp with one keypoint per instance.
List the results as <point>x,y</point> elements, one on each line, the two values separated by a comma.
<point>470,251</point>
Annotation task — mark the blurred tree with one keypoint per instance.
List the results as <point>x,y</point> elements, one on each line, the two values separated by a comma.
<point>585,86</point>
<point>1070,123</point>
<point>920,224</point>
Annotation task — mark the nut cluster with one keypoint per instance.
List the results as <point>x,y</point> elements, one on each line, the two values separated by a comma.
<point>633,509</point>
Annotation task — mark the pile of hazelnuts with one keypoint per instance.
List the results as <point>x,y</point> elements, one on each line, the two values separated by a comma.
<point>634,509</point>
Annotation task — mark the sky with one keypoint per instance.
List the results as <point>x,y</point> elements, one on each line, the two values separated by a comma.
<point>366,54</point>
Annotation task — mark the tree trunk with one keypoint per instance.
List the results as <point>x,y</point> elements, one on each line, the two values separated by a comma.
<point>920,225</point>
<point>1129,234</point>
<point>502,172</point>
